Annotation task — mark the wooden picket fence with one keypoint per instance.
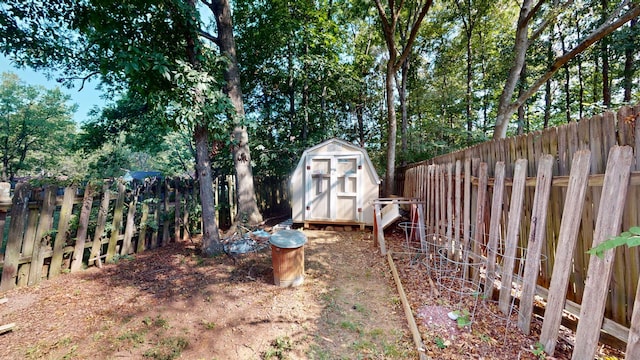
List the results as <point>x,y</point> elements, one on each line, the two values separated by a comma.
<point>49,229</point>
<point>571,188</point>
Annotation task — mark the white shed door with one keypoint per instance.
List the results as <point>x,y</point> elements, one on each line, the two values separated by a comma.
<point>332,184</point>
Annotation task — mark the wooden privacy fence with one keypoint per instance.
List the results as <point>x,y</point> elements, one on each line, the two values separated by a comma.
<point>49,230</point>
<point>546,198</point>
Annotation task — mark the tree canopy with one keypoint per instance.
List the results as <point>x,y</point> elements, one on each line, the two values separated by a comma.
<point>312,70</point>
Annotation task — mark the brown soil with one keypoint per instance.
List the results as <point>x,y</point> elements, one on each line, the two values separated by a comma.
<point>171,303</point>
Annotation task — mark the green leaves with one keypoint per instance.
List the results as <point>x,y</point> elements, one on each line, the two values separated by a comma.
<point>630,238</point>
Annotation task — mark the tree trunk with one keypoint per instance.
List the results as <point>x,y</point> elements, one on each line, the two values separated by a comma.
<point>506,106</point>
<point>402,95</point>
<point>390,178</point>
<point>211,244</point>
<point>629,65</point>
<point>247,205</point>
<point>210,236</point>
<point>604,48</point>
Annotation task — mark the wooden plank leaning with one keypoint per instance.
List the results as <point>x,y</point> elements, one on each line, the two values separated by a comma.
<point>19,210</point>
<point>536,238</point>
<point>62,231</point>
<point>513,228</point>
<point>565,249</point>
<point>633,342</point>
<point>96,246</point>
<point>116,224</point>
<point>494,227</point>
<point>45,222</point>
<point>616,181</point>
<point>83,226</point>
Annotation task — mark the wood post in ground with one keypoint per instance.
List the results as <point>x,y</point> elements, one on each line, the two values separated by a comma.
<point>536,238</point>
<point>511,240</point>
<point>116,224</point>
<point>616,181</point>
<point>494,227</point>
<point>19,209</point>
<point>42,238</point>
<point>101,223</point>
<point>83,226</point>
<point>567,238</point>
<point>61,231</point>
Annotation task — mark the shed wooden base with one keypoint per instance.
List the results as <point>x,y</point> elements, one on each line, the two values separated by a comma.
<point>308,223</point>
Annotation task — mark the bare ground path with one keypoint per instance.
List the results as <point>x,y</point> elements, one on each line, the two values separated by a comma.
<point>171,303</point>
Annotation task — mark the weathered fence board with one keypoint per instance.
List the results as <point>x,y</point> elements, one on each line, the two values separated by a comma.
<point>511,240</point>
<point>535,240</point>
<point>494,227</point>
<point>565,250</point>
<point>607,225</point>
<point>40,248</point>
<point>83,228</point>
<point>19,210</point>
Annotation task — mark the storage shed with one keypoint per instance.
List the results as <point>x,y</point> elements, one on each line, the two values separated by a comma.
<point>334,183</point>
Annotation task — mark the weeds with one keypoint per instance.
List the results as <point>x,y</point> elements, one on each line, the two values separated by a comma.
<point>279,348</point>
<point>167,349</point>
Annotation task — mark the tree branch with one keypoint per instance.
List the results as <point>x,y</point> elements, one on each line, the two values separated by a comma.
<point>206,35</point>
<point>84,79</point>
<point>605,29</point>
<point>413,35</point>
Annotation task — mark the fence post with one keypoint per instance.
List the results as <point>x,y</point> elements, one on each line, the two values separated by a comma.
<point>19,209</point>
<point>61,231</point>
<point>615,185</point>
<point>83,226</point>
<point>565,249</point>
<point>537,233</point>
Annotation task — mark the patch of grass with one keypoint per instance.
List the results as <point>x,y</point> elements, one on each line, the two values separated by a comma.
<point>376,333</point>
<point>279,348</point>
<point>117,258</point>
<point>393,351</point>
<point>209,325</point>
<point>440,343</point>
<point>360,308</point>
<point>317,352</point>
<point>363,346</point>
<point>157,322</point>
<point>134,337</point>
<point>350,325</point>
<point>167,349</point>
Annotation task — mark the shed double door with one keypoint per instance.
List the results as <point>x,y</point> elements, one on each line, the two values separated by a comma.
<point>332,188</point>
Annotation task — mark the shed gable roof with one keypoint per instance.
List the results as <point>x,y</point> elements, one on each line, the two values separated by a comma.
<point>347,146</point>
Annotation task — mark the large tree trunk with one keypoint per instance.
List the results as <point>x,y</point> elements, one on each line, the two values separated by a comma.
<point>604,48</point>
<point>505,106</point>
<point>211,244</point>
<point>629,65</point>
<point>247,206</point>
<point>392,131</point>
<point>210,236</point>
<point>402,96</point>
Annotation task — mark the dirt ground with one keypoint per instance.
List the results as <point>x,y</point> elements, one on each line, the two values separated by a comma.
<point>171,303</point>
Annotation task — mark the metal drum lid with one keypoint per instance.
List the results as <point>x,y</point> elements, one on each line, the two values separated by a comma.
<point>288,239</point>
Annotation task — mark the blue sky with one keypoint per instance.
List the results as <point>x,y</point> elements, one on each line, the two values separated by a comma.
<point>86,99</point>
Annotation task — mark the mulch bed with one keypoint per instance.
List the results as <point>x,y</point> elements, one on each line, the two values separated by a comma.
<point>481,330</point>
